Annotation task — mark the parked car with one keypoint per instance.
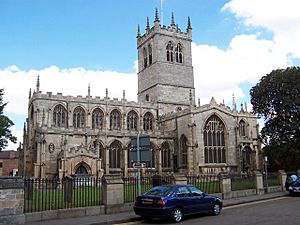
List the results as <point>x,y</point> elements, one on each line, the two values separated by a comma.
<point>292,185</point>
<point>174,202</point>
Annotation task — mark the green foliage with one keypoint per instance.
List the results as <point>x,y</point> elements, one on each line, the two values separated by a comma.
<point>5,124</point>
<point>276,98</point>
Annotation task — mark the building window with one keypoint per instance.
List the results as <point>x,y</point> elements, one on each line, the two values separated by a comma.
<point>242,128</point>
<point>115,154</point>
<point>170,52</point>
<point>60,116</point>
<point>145,57</point>
<point>147,98</point>
<point>97,119</point>
<point>178,53</point>
<point>148,121</point>
<point>214,141</point>
<point>79,117</point>
<point>183,151</point>
<point>166,155</point>
<point>1,164</point>
<point>132,120</point>
<point>115,120</point>
<point>150,54</point>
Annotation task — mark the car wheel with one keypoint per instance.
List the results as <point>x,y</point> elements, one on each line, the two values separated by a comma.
<point>177,215</point>
<point>216,210</point>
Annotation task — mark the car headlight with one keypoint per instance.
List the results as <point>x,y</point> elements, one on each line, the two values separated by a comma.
<point>290,188</point>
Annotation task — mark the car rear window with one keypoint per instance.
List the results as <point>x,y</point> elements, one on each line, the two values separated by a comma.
<point>159,191</point>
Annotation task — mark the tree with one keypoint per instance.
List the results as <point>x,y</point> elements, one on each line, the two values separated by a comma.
<point>5,124</point>
<point>276,98</point>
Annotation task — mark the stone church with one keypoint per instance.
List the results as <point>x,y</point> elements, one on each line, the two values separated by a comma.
<point>77,135</point>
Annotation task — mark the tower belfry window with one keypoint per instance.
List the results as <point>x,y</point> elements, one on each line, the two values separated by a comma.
<point>145,57</point>
<point>170,52</point>
<point>150,54</point>
<point>178,53</point>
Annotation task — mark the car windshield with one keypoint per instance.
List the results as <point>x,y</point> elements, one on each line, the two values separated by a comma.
<point>159,191</point>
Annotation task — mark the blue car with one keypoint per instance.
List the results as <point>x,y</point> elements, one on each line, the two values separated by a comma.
<point>174,202</point>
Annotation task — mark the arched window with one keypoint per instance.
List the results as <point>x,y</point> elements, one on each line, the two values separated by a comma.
<point>97,144</point>
<point>115,120</point>
<point>183,151</point>
<point>214,141</point>
<point>246,159</point>
<point>97,119</point>
<point>148,121</point>
<point>166,155</point>
<point>242,128</point>
<point>79,117</point>
<point>132,120</point>
<point>81,170</point>
<point>115,154</point>
<point>147,98</point>
<point>178,53</point>
<point>60,116</point>
<point>150,54</point>
<point>145,57</point>
<point>170,52</point>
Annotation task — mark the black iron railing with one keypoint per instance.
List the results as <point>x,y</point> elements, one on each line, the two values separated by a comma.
<point>146,182</point>
<point>209,183</point>
<point>51,194</point>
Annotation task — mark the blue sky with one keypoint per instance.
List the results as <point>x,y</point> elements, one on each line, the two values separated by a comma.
<point>235,43</point>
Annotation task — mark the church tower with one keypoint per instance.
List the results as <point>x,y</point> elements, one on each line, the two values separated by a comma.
<point>165,71</point>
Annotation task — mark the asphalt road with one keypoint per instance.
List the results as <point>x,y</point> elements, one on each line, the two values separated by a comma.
<point>279,211</point>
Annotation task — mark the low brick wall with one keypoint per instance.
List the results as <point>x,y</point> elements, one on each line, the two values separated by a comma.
<point>11,201</point>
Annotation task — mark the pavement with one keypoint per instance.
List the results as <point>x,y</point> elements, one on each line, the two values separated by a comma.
<point>130,216</point>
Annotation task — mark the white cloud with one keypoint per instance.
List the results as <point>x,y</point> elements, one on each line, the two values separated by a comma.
<point>282,17</point>
<point>73,81</point>
<point>219,72</point>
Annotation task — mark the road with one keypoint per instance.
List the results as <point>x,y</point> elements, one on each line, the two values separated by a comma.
<point>279,211</point>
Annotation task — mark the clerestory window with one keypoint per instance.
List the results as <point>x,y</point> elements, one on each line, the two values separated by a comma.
<point>79,117</point>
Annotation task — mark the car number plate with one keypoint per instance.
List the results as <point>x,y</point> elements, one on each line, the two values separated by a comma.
<point>147,202</point>
<point>296,190</point>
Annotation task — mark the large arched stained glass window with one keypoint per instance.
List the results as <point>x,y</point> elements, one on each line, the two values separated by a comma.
<point>132,120</point>
<point>97,119</point>
<point>79,117</point>
<point>214,136</point>
<point>60,116</point>
<point>148,121</point>
<point>115,154</point>
<point>115,120</point>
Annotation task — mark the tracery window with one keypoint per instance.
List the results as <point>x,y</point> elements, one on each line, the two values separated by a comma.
<point>148,121</point>
<point>170,52</point>
<point>150,54</point>
<point>79,117</point>
<point>214,141</point>
<point>178,53</point>
<point>115,120</point>
<point>145,57</point>
<point>242,128</point>
<point>183,151</point>
<point>60,116</point>
<point>115,154</point>
<point>97,119</point>
<point>132,120</point>
<point>166,155</point>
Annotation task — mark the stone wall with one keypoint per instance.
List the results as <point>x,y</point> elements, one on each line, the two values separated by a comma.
<point>11,201</point>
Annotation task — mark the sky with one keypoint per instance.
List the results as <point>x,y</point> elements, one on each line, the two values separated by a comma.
<point>73,43</point>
